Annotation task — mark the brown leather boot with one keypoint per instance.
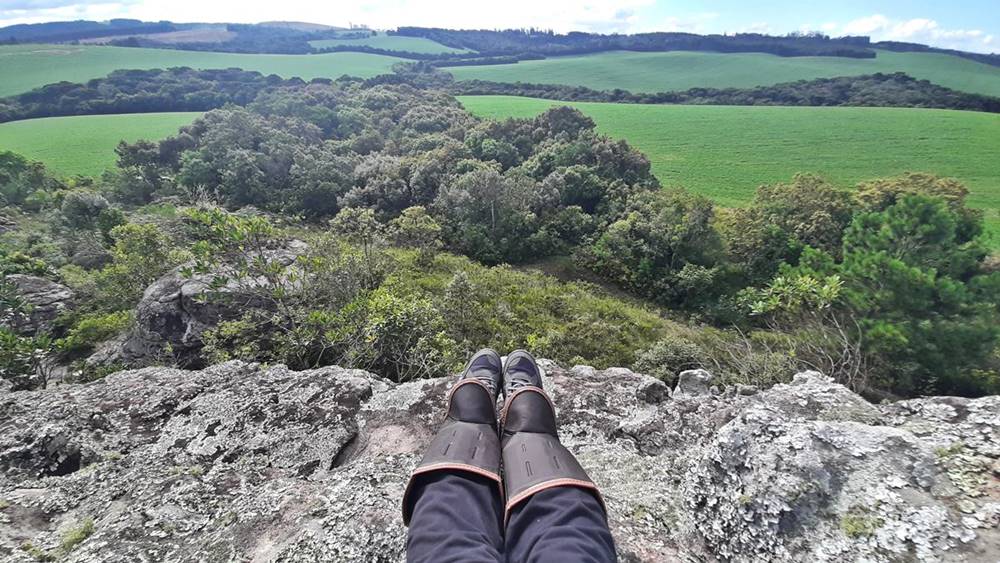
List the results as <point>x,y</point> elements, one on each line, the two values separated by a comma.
<point>533,457</point>
<point>468,440</point>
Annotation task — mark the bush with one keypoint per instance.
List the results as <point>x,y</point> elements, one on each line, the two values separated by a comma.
<point>92,330</point>
<point>666,359</point>
<point>19,263</point>
<point>81,209</point>
<point>398,338</point>
<point>24,360</point>
<point>760,358</point>
<point>506,309</point>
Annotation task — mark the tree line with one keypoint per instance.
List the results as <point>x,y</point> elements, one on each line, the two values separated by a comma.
<point>186,89</point>
<point>872,90</point>
<point>547,43</point>
<point>143,91</point>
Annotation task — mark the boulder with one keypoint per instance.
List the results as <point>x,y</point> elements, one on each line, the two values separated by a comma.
<point>241,462</point>
<point>173,314</point>
<point>46,300</point>
<point>694,382</point>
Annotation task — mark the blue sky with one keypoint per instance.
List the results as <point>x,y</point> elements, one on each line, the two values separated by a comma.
<point>963,24</point>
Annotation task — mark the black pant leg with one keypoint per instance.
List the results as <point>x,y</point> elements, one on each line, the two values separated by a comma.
<point>559,524</point>
<point>456,517</point>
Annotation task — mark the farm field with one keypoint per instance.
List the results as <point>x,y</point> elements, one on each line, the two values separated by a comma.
<point>725,152</point>
<point>681,70</point>
<point>24,67</point>
<point>85,144</point>
<point>391,42</point>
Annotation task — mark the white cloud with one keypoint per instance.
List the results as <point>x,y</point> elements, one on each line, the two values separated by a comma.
<point>919,30</point>
<point>695,23</point>
<point>866,25</point>
<point>757,27</point>
<point>61,10</point>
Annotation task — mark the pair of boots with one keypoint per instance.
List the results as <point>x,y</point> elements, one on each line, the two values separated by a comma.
<point>526,440</point>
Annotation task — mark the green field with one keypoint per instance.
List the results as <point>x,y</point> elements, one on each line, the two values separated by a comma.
<point>24,67</point>
<point>391,43</point>
<point>85,144</point>
<point>725,152</point>
<point>680,70</point>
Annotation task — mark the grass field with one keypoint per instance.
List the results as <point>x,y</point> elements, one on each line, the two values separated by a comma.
<point>725,152</point>
<point>85,144</point>
<point>24,67</point>
<point>680,70</point>
<point>391,43</point>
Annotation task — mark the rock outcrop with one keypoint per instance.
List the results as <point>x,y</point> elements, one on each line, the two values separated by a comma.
<point>46,299</point>
<point>238,462</point>
<point>174,313</point>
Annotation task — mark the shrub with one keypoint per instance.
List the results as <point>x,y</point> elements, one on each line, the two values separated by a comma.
<point>399,338</point>
<point>81,209</point>
<point>24,360</point>
<point>19,263</point>
<point>76,535</point>
<point>92,330</point>
<point>141,254</point>
<point>667,358</point>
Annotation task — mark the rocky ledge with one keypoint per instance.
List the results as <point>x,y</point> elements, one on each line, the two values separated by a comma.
<point>243,463</point>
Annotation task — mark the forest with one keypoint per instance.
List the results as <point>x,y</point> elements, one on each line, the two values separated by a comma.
<point>889,287</point>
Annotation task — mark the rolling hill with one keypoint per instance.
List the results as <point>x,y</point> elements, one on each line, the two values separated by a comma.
<point>681,70</point>
<point>725,152</point>
<point>29,66</point>
<point>85,144</point>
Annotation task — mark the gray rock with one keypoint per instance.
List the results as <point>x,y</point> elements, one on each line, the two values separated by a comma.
<point>46,300</point>
<point>92,257</point>
<point>172,316</point>
<point>693,382</point>
<point>238,462</point>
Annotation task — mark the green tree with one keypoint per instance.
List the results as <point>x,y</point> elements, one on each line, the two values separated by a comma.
<point>495,217</point>
<point>926,313</point>
<point>140,255</point>
<point>360,227</point>
<point>664,247</point>
<point>780,221</point>
<point>414,228</point>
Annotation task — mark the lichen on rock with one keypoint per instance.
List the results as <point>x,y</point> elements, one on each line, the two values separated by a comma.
<point>242,462</point>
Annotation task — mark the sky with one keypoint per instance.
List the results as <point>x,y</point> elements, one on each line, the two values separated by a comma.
<point>972,25</point>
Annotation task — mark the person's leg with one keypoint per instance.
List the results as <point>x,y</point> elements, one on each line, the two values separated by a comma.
<point>559,524</point>
<point>452,502</point>
<point>553,511</point>
<point>456,517</point>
